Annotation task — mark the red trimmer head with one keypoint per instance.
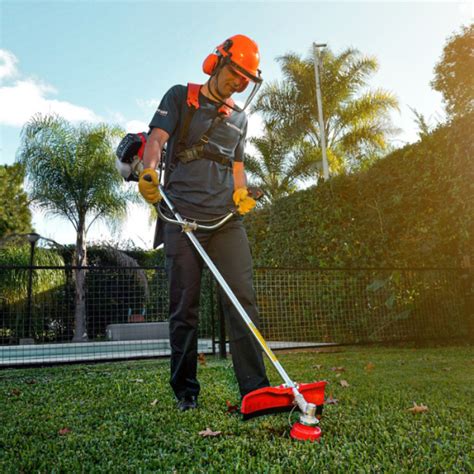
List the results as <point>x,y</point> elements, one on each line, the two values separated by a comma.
<point>278,399</point>
<point>304,433</point>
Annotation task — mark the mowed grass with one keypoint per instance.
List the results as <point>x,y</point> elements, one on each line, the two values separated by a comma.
<point>121,417</point>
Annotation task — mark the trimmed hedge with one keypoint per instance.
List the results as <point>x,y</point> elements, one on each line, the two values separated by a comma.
<point>413,208</point>
<point>47,289</point>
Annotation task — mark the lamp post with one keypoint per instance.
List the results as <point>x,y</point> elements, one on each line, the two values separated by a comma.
<point>32,239</point>
<point>317,65</point>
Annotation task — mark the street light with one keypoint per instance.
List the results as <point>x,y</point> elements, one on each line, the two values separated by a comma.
<point>33,237</point>
<point>317,65</point>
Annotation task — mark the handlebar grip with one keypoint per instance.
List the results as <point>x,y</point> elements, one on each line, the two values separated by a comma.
<point>255,193</point>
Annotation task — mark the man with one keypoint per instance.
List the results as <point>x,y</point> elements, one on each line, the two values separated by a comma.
<point>205,134</point>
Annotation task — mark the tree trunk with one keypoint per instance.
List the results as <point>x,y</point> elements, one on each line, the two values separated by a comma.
<point>80,327</point>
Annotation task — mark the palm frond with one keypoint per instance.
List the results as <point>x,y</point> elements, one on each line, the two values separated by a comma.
<point>354,118</point>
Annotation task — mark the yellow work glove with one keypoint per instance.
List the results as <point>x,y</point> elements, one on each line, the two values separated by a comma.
<point>243,201</point>
<point>148,185</point>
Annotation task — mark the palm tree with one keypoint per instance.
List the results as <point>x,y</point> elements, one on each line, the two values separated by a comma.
<point>279,164</point>
<point>71,173</point>
<point>356,120</point>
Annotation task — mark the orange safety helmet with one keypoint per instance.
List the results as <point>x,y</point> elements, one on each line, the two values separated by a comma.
<point>241,53</point>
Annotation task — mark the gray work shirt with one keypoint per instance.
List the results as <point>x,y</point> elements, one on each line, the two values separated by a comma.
<point>201,188</point>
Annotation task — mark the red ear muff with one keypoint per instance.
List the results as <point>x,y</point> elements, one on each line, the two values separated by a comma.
<point>210,63</point>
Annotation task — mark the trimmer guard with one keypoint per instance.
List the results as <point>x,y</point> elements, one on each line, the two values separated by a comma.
<point>279,399</point>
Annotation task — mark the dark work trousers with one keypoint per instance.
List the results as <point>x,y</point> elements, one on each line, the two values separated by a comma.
<point>228,248</point>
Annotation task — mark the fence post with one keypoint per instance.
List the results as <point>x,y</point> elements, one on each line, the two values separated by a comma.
<point>222,338</point>
<point>213,318</point>
<point>468,290</point>
<point>33,237</point>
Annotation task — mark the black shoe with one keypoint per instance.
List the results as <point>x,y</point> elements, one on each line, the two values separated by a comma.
<point>187,403</point>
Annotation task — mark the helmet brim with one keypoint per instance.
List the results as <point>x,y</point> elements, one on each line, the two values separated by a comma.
<point>254,76</point>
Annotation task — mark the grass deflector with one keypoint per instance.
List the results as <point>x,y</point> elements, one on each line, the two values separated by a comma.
<point>309,398</point>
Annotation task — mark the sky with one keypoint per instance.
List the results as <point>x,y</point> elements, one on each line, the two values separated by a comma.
<point>113,60</point>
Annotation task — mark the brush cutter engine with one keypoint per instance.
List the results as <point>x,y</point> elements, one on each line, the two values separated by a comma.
<point>129,161</point>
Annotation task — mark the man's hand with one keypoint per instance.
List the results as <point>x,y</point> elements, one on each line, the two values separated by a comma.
<point>148,185</point>
<point>243,201</point>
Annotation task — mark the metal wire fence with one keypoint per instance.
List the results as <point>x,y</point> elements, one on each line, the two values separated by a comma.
<point>126,310</point>
<point>350,306</point>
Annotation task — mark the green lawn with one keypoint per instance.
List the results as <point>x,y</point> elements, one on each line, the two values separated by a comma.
<point>121,417</point>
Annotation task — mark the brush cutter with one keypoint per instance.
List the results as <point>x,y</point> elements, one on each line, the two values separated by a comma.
<point>309,398</point>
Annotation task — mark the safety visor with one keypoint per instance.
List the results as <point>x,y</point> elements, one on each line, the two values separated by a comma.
<point>251,85</point>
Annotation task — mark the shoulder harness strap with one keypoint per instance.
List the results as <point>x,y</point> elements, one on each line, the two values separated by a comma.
<point>192,101</point>
<point>196,151</point>
<point>193,95</point>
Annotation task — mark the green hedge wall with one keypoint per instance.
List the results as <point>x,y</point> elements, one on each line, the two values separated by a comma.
<point>47,291</point>
<point>413,208</point>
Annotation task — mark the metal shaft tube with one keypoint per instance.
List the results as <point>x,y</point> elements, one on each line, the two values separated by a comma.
<point>239,308</point>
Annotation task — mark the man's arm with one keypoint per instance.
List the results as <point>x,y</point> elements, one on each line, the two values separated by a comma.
<point>155,143</point>
<point>148,180</point>
<point>242,200</point>
<point>240,181</point>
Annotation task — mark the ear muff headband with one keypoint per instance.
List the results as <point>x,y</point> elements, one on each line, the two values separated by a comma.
<point>212,61</point>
